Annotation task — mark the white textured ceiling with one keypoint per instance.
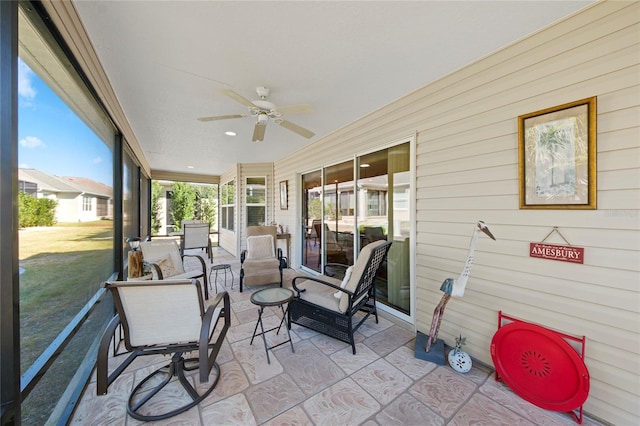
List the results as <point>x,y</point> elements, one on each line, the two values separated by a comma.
<point>167,61</point>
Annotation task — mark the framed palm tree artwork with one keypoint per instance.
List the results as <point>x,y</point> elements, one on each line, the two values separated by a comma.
<point>557,157</point>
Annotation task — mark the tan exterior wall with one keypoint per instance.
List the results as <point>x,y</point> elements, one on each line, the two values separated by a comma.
<point>467,170</point>
<point>68,208</point>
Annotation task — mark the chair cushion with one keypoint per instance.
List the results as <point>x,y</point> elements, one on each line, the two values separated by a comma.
<point>260,247</point>
<point>358,270</point>
<point>320,294</point>
<point>261,271</point>
<point>345,280</point>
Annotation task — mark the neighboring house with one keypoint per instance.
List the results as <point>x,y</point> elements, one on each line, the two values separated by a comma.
<point>79,199</point>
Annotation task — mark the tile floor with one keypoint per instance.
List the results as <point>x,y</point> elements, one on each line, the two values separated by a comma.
<point>323,383</point>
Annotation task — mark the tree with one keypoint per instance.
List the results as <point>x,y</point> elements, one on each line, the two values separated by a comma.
<point>315,208</point>
<point>156,212</point>
<point>182,203</point>
<point>206,204</point>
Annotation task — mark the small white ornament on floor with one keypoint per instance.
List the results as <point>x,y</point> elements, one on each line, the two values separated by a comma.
<point>459,360</point>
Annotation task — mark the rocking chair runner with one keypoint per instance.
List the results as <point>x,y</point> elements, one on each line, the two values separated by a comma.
<point>165,317</point>
<point>327,305</point>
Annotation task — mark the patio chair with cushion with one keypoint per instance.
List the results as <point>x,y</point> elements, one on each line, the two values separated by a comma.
<point>164,259</point>
<point>333,250</point>
<point>165,317</point>
<point>328,305</point>
<point>196,236</point>
<point>261,262</point>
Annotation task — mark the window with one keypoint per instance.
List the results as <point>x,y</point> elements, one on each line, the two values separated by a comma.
<point>65,151</point>
<point>227,206</point>
<point>256,200</point>
<point>86,204</point>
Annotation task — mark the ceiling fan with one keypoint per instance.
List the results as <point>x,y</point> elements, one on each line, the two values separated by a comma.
<point>264,111</point>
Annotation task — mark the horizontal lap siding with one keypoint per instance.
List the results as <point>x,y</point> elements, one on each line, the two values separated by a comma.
<point>467,170</point>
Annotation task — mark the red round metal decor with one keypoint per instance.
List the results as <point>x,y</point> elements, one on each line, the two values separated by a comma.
<point>540,366</point>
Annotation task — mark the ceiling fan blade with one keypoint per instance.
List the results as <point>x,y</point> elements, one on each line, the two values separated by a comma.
<point>238,98</point>
<point>221,117</point>
<point>258,132</point>
<point>295,128</point>
<point>296,109</point>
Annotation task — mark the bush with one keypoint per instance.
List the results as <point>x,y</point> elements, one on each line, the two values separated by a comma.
<point>35,211</point>
<point>156,207</point>
<point>183,204</point>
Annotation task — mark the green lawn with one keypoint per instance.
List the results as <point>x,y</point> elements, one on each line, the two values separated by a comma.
<point>63,267</point>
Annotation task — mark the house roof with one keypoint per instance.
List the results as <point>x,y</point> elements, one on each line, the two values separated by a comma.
<point>52,183</point>
<point>90,186</point>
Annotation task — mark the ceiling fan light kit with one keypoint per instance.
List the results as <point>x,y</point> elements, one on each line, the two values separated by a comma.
<point>264,111</point>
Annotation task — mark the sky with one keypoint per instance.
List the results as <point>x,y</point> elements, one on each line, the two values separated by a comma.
<point>52,138</point>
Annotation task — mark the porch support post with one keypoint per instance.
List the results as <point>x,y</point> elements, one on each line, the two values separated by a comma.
<point>9,275</point>
<point>118,193</point>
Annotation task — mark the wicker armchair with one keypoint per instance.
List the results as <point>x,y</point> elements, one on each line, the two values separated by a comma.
<point>327,305</point>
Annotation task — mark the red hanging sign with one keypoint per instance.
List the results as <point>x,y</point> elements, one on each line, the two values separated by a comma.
<point>556,252</point>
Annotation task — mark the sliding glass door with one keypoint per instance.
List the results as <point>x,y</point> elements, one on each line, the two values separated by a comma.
<point>383,213</point>
<point>344,210</point>
<point>311,216</point>
<point>338,228</point>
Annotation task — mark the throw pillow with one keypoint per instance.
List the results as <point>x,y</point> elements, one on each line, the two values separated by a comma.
<point>345,280</point>
<point>167,267</point>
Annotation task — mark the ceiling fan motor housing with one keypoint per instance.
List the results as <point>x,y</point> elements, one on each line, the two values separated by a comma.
<point>263,92</point>
<point>263,118</point>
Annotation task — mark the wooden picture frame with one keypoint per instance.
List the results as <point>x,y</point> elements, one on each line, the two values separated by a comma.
<point>557,157</point>
<point>283,195</point>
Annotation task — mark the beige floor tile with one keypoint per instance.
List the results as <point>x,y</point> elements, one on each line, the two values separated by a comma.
<point>481,410</point>
<point>294,417</point>
<point>388,340</point>
<point>404,358</point>
<point>344,403</point>
<point>233,380</point>
<point>253,360</point>
<point>382,380</point>
<point>501,394</point>
<point>408,411</point>
<point>273,397</point>
<point>350,363</point>
<point>309,367</point>
<point>443,391</point>
<point>232,411</point>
